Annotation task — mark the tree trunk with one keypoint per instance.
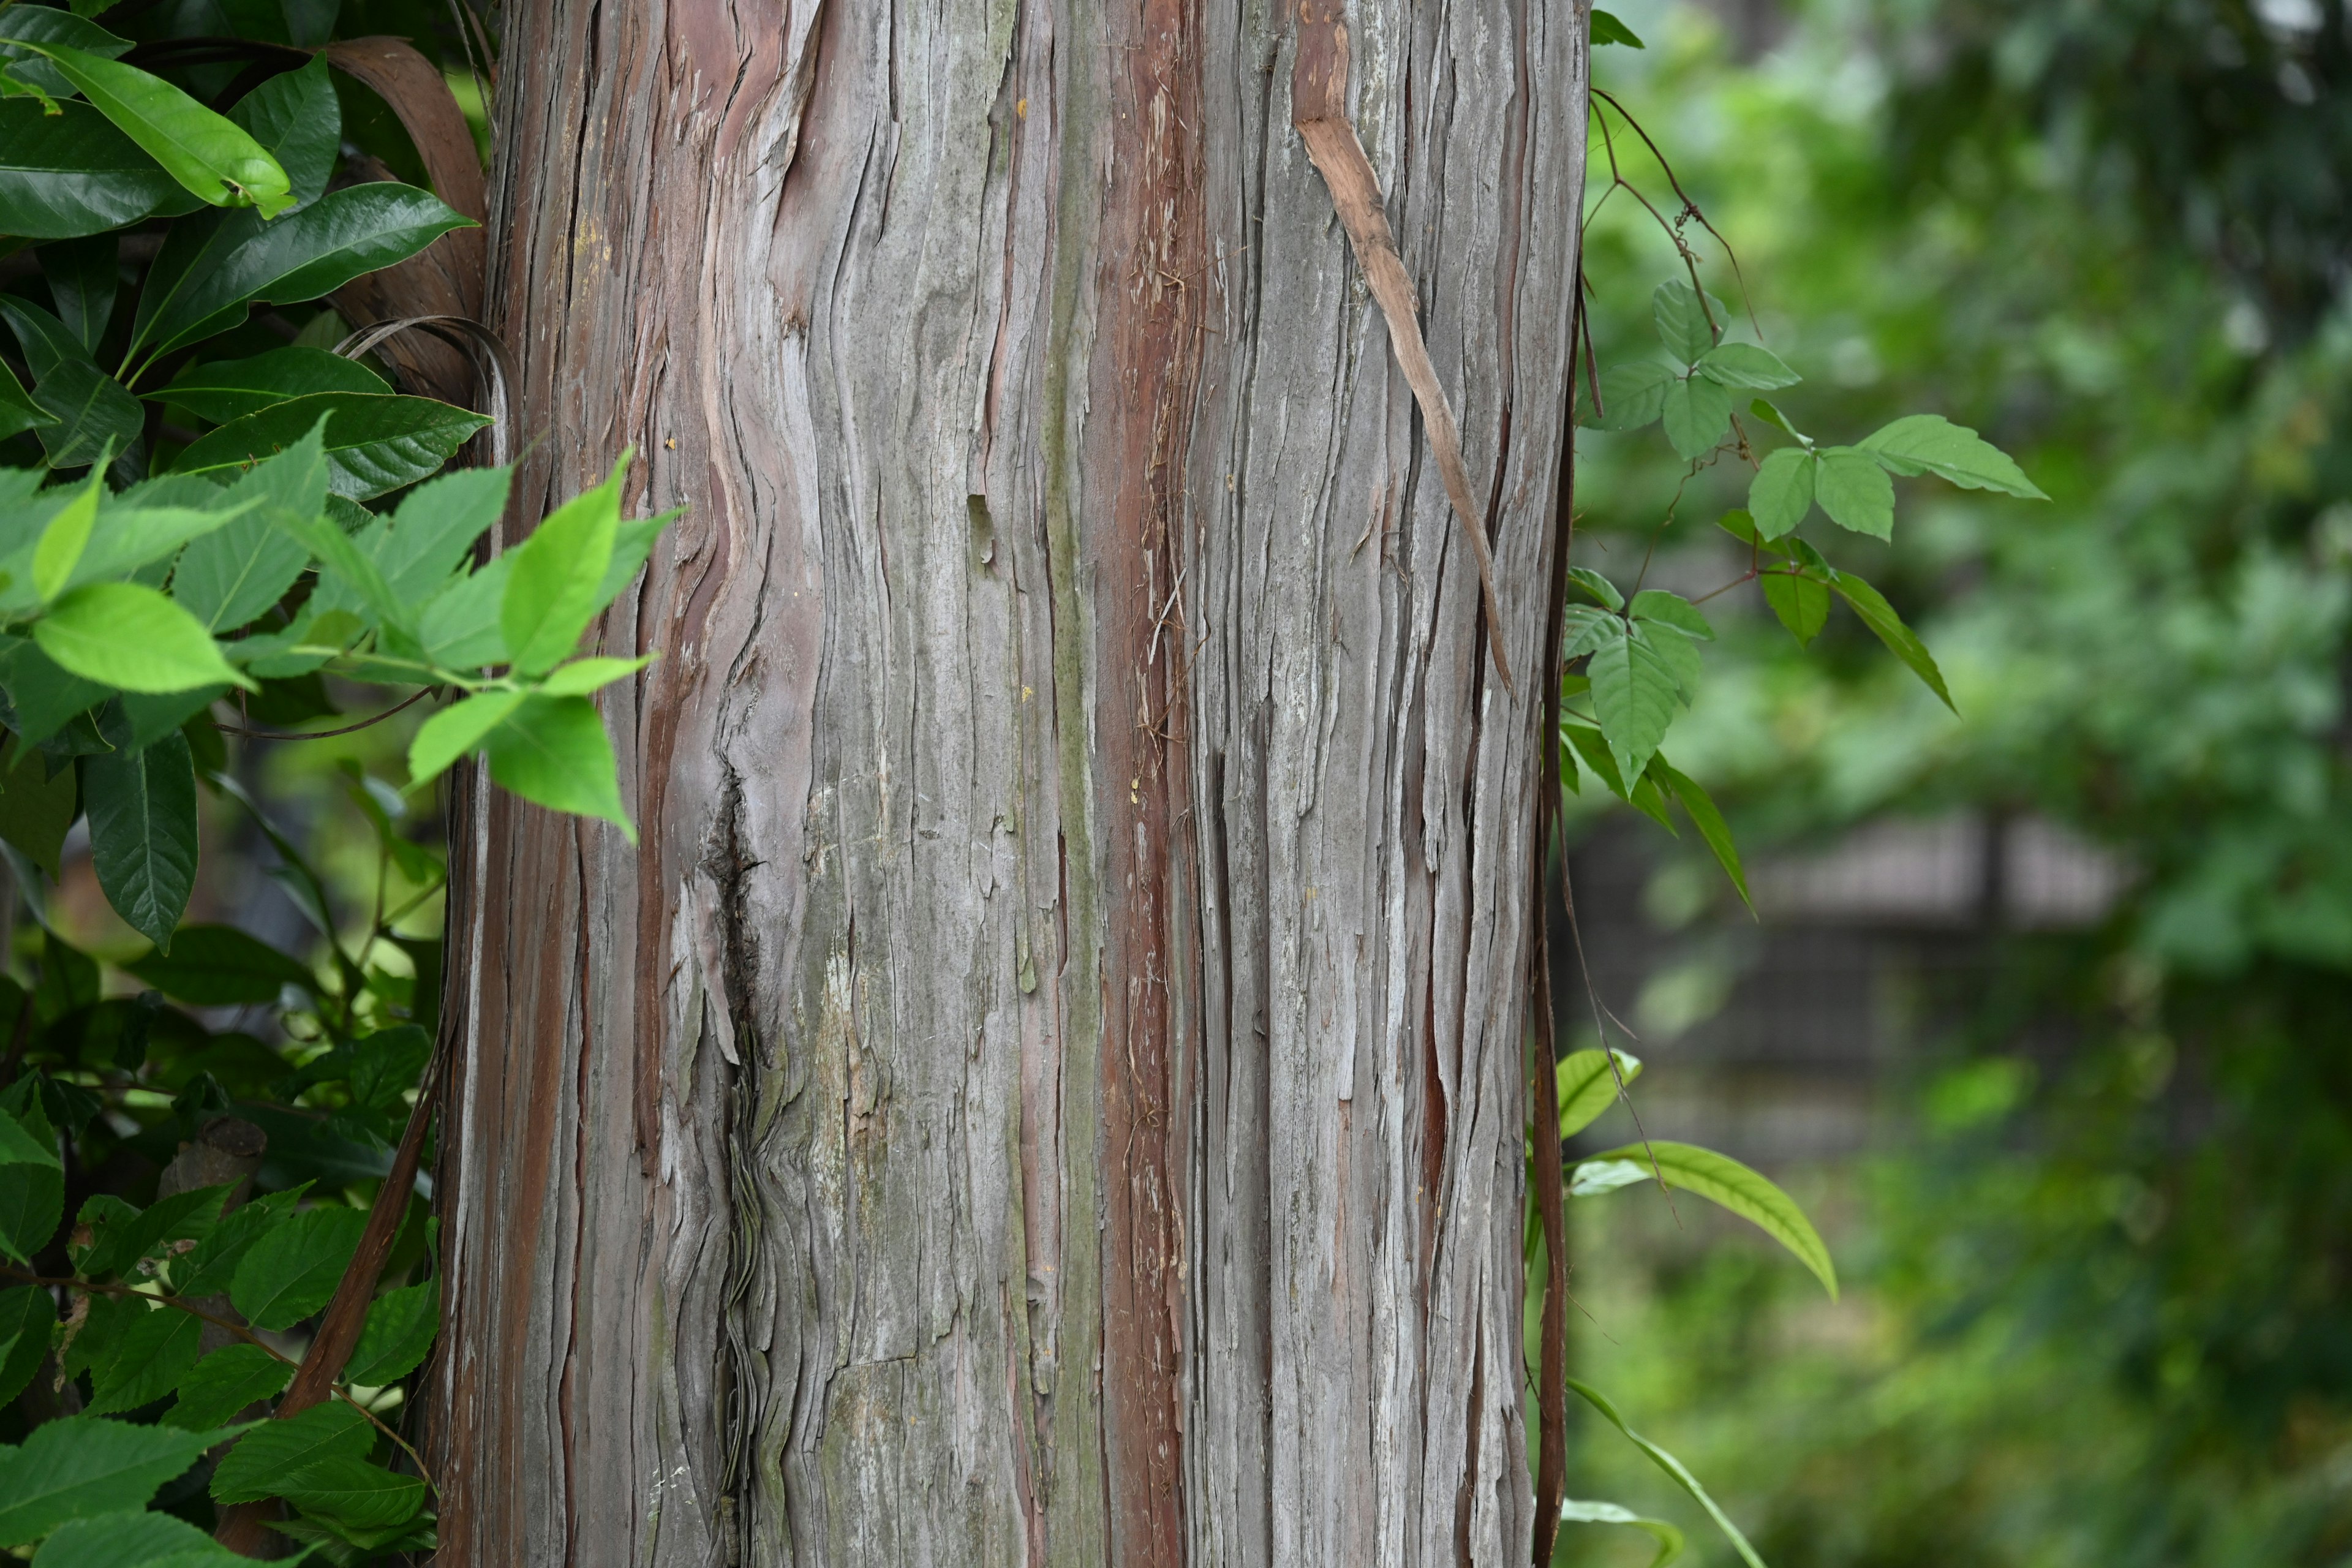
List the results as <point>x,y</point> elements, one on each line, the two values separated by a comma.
<point>1048,1086</point>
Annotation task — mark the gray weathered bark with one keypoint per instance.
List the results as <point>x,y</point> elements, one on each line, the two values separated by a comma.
<point>1048,1086</point>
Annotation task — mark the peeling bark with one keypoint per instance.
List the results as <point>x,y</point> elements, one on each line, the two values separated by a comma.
<point>1048,1087</point>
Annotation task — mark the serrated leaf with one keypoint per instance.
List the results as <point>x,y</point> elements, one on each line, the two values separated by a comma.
<point>226,390</point>
<point>84,1466</point>
<point>551,591</point>
<point>154,1353</point>
<point>71,173</point>
<point>1585,628</point>
<point>1599,587</point>
<point>372,443</point>
<point>400,1328</point>
<point>1673,1467</point>
<point>1724,1181</point>
<point>132,1539</point>
<point>1802,603</point>
<point>458,627</point>
<point>1696,413</point>
<point>208,1269</point>
<point>63,540</point>
<point>1668,1537</point>
<point>1746,365</point>
<point>435,528</point>
<point>1880,617</point>
<point>582,676</point>
<point>1632,394</point>
<point>233,574</point>
<point>1781,493</point>
<point>225,1382</point>
<point>1636,690</point>
<point>132,638</point>
<point>1855,492</point>
<point>276,1449</point>
<point>1712,829</point>
<point>1683,323</point>
<point>220,966</point>
<point>456,731</point>
<point>1642,797</point>
<point>292,1271</point>
<point>353,1493</point>
<point>143,833</point>
<point>632,542</point>
<point>1589,1085</point>
<point>1931,444</point>
<point>27,1315</point>
<point>552,750</point>
<point>1670,610</point>
<point>116,1246</point>
<point>1608,29</point>
<point>214,159</point>
<point>32,1187</point>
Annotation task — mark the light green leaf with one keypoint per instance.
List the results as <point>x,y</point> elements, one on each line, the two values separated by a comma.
<point>1696,413</point>
<point>1632,394</point>
<point>1855,491</point>
<point>1880,617</point>
<point>373,443</point>
<point>276,1449</point>
<point>1673,1468</point>
<point>353,1493</point>
<point>1635,690</point>
<point>435,528</point>
<point>1670,610</point>
<point>1589,1085</point>
<point>292,1270</point>
<point>1712,829</point>
<point>214,159</point>
<point>400,1328</point>
<point>1599,587</point>
<point>1683,323</point>
<point>456,731</point>
<point>1669,1538</point>
<point>227,577</point>
<point>132,1539</point>
<point>1720,1179</point>
<point>1585,629</point>
<point>142,833</point>
<point>552,591</point>
<point>225,390</point>
<point>71,173</point>
<point>1782,492</point>
<point>63,540</point>
<point>1772,415</point>
<point>153,1354</point>
<point>225,1382</point>
<point>1931,444</point>
<point>458,627</point>
<point>84,1466</point>
<point>132,638</point>
<point>632,542</point>
<point>1608,29</point>
<point>1746,365</point>
<point>582,676</point>
<point>553,750</point>
<point>1594,1177</point>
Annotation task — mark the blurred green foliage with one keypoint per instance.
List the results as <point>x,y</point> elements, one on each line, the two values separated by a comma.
<point>2101,1303</point>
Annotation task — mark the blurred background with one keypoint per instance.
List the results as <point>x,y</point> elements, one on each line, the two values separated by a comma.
<point>2044,1013</point>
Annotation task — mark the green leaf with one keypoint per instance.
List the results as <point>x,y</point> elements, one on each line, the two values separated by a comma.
<point>1642,797</point>
<point>1673,1468</point>
<point>551,594</point>
<point>435,528</point>
<point>27,1315</point>
<point>71,173</point>
<point>63,540</point>
<point>353,1493</point>
<point>1772,415</point>
<point>553,750</point>
<point>1632,394</point>
<point>296,120</point>
<point>1635,690</point>
<point>18,412</point>
<point>1782,492</point>
<point>1880,617</point>
<point>131,1539</point>
<point>207,275</point>
<point>1608,29</point>
<point>1720,1179</point>
<point>400,1328</point>
<point>24,28</point>
<point>1588,1086</point>
<point>1672,610</point>
<point>1855,491</point>
<point>582,676</point>
<point>215,160</point>
<point>292,1271</point>
<point>132,638</point>
<point>373,443</point>
<point>276,1449</point>
<point>1599,587</point>
<point>1746,365</point>
<point>1683,323</point>
<point>209,1269</point>
<point>1696,413</point>
<point>156,1352</point>
<point>1802,603</point>
<point>85,276</point>
<point>1669,1538</point>
<point>84,1466</point>
<point>91,415</point>
<point>117,1244</point>
<point>1712,829</point>
<point>632,542</point>
<point>458,627</point>
<point>230,576</point>
<point>225,1382</point>
<point>1931,444</point>
<point>220,966</point>
<point>32,1188</point>
<point>142,833</point>
<point>456,731</point>
<point>226,390</point>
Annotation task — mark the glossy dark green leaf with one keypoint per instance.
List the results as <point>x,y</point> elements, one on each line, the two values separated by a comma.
<point>32,1185</point>
<point>71,173</point>
<point>206,277</point>
<point>18,412</point>
<point>92,414</point>
<point>373,444</point>
<point>296,120</point>
<point>553,750</point>
<point>83,1465</point>
<point>1802,604</point>
<point>153,1354</point>
<point>225,1382</point>
<point>400,1328</point>
<point>27,1316</point>
<point>1855,492</point>
<point>276,1449</point>
<point>45,696</point>
<point>213,159</point>
<point>46,340</point>
<point>36,809</point>
<point>224,390</point>
<point>292,1270</point>
<point>220,966</point>
<point>1782,492</point>
<point>1683,325</point>
<point>552,593</point>
<point>142,834</point>
<point>84,277</point>
<point>22,27</point>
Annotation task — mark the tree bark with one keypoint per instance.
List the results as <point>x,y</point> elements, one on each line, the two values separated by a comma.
<point>1048,1087</point>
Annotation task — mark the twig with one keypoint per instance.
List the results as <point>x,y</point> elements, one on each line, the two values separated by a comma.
<point>318,734</point>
